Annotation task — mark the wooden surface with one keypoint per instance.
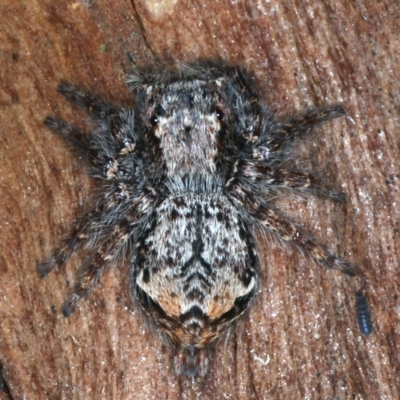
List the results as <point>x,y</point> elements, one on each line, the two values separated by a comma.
<point>300,340</point>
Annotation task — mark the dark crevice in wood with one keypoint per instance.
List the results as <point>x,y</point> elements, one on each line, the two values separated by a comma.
<point>142,28</point>
<point>3,385</point>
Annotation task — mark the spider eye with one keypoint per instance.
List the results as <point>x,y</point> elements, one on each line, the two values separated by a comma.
<point>219,113</point>
<point>154,120</point>
<point>159,111</point>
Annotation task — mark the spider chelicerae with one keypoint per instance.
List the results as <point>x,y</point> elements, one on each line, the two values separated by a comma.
<point>190,172</point>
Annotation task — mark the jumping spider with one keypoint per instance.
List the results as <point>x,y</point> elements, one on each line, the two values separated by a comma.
<point>190,174</point>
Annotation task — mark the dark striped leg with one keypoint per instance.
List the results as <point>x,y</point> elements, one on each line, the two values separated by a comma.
<point>86,232</point>
<point>268,177</point>
<point>92,104</point>
<point>299,126</point>
<point>111,250</point>
<point>290,233</point>
<point>74,137</point>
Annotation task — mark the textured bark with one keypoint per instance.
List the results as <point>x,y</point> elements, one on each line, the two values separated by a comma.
<point>300,340</point>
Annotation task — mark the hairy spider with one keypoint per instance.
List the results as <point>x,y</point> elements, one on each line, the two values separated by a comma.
<point>190,175</point>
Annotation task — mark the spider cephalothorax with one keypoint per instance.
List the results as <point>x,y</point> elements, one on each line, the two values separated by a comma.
<point>190,174</point>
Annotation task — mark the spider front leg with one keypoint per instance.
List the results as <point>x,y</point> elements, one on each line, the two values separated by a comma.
<point>116,124</point>
<point>73,136</point>
<point>92,104</point>
<point>110,147</point>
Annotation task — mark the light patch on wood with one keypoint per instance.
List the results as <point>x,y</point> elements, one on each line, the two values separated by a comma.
<point>158,8</point>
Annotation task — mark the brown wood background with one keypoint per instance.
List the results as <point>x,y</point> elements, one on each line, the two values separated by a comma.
<point>300,340</point>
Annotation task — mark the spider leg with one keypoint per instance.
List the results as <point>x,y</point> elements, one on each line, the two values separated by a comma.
<point>80,235</point>
<point>264,177</point>
<point>287,231</point>
<point>116,123</point>
<point>109,150</point>
<point>291,233</point>
<point>287,132</point>
<point>70,134</point>
<point>87,281</point>
<point>113,248</point>
<point>91,103</point>
<point>90,230</point>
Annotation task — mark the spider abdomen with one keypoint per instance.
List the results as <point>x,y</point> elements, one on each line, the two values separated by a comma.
<point>197,268</point>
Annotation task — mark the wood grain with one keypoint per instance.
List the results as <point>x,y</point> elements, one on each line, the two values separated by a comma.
<point>300,340</point>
